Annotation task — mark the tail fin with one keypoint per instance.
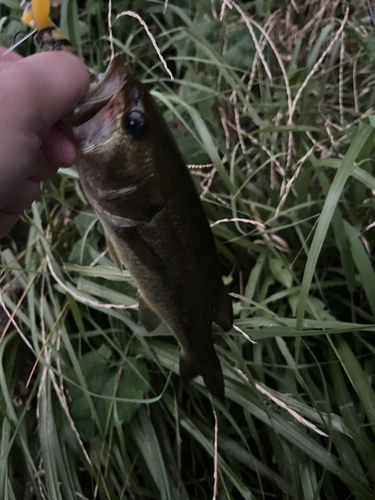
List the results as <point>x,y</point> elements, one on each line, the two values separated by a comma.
<point>210,369</point>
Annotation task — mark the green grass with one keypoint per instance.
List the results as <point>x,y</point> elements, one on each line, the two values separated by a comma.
<point>91,405</point>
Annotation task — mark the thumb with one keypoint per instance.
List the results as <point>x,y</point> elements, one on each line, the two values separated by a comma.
<point>39,90</point>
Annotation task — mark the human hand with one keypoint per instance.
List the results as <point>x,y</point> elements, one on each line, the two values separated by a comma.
<point>35,94</point>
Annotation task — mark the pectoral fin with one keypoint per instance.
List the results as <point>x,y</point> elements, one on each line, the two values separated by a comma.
<point>112,250</point>
<point>147,317</point>
<point>144,252</point>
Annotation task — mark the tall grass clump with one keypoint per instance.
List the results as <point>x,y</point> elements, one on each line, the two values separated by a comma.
<point>272,103</point>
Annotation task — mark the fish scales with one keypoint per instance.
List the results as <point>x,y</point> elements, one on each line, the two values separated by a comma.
<point>141,190</point>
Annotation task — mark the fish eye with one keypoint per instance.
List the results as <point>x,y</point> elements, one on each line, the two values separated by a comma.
<point>135,124</point>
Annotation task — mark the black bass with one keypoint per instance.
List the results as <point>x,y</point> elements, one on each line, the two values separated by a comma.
<point>135,178</point>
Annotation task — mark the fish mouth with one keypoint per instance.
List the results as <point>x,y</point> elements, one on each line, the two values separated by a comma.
<point>99,127</point>
<point>101,92</point>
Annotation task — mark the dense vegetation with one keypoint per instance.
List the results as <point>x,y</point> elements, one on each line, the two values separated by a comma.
<point>274,100</point>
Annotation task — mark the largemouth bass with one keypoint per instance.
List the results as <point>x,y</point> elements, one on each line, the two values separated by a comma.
<point>135,178</point>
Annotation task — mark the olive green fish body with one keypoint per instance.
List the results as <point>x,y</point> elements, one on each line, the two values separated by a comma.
<point>135,178</point>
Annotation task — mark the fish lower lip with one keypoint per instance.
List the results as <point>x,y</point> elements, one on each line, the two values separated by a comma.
<point>84,113</point>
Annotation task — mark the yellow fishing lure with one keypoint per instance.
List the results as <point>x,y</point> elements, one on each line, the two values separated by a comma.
<point>36,13</point>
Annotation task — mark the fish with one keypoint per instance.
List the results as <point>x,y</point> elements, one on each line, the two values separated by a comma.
<point>140,188</point>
